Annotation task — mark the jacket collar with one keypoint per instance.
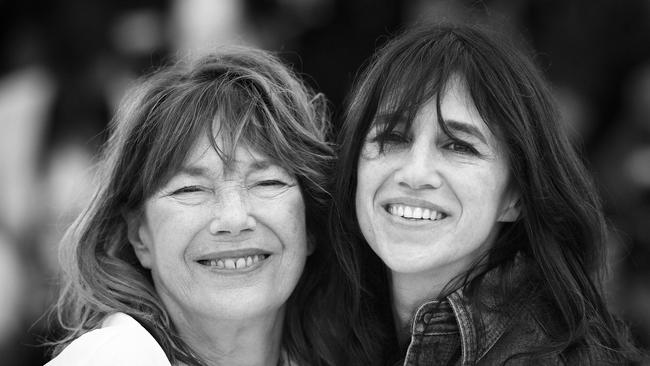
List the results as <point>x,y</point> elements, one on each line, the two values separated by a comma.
<point>481,328</point>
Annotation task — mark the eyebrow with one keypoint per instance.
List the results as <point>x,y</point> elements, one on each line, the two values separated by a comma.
<point>199,171</point>
<point>193,171</point>
<point>261,164</point>
<point>452,124</point>
<point>466,128</point>
<point>384,118</point>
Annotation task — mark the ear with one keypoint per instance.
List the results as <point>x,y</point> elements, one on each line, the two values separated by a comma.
<point>512,209</point>
<point>137,237</point>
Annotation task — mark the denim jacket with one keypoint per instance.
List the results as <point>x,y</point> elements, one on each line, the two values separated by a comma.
<point>450,332</point>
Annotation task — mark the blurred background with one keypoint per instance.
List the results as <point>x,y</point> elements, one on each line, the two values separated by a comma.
<point>66,63</point>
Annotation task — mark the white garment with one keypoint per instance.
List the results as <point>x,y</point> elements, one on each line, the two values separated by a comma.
<point>120,341</point>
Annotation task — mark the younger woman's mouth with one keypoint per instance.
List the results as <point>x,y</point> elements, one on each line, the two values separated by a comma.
<point>414,212</point>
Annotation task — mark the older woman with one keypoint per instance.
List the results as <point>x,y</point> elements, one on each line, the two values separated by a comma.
<point>466,213</point>
<point>210,209</point>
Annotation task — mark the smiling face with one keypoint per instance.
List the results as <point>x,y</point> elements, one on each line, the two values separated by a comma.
<point>429,204</point>
<point>223,243</point>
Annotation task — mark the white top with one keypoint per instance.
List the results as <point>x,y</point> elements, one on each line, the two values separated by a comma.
<point>120,341</point>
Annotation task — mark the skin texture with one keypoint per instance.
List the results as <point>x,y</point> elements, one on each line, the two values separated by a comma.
<point>467,180</point>
<point>209,212</point>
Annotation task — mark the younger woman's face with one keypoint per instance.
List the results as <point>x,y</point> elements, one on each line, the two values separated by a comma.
<point>223,243</point>
<point>429,204</point>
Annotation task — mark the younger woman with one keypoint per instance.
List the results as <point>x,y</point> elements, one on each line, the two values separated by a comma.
<point>465,211</point>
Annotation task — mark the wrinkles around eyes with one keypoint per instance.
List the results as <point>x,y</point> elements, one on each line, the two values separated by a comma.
<point>206,196</point>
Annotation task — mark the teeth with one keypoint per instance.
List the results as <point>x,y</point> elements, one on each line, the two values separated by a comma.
<point>410,212</point>
<point>426,214</point>
<point>230,264</point>
<point>417,213</point>
<point>234,263</point>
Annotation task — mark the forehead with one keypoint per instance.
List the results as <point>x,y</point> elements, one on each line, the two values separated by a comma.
<point>217,157</point>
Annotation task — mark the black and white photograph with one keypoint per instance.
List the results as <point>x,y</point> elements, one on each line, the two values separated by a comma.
<point>324,182</point>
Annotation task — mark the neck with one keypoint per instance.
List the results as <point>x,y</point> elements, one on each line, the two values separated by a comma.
<point>409,291</point>
<point>254,341</point>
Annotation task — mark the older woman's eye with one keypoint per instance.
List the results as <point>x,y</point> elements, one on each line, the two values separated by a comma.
<point>269,188</point>
<point>190,195</point>
<point>271,183</point>
<point>189,189</point>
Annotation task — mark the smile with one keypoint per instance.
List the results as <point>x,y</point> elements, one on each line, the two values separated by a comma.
<point>234,263</point>
<point>414,212</point>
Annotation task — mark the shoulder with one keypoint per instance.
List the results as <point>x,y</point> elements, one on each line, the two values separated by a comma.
<point>120,341</point>
<point>525,329</point>
<point>531,327</point>
<point>536,334</point>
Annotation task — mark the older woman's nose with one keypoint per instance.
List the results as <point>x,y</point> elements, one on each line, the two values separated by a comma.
<point>232,215</point>
<point>419,167</point>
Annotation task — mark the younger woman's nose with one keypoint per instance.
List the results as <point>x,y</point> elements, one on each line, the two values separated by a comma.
<point>419,167</point>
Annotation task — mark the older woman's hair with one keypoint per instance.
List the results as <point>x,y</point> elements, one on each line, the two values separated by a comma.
<point>562,231</point>
<point>257,101</point>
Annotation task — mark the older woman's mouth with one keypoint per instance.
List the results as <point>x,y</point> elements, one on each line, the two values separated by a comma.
<point>234,262</point>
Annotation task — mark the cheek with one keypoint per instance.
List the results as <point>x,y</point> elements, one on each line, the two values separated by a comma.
<point>285,216</point>
<point>291,229</point>
<point>368,183</point>
<point>361,191</point>
<point>368,177</point>
<point>484,193</point>
<point>172,229</point>
<point>294,209</point>
<point>372,175</point>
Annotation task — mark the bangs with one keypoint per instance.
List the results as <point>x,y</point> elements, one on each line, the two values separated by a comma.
<point>230,115</point>
<point>412,75</point>
<point>245,117</point>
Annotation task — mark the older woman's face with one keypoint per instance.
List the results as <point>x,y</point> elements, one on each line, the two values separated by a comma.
<point>429,204</point>
<point>224,243</point>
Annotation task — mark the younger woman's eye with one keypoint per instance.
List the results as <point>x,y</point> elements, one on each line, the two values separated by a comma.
<point>461,147</point>
<point>395,136</point>
<point>391,137</point>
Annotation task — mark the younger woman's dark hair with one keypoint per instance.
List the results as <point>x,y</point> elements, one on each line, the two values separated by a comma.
<point>561,232</point>
<point>258,102</point>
